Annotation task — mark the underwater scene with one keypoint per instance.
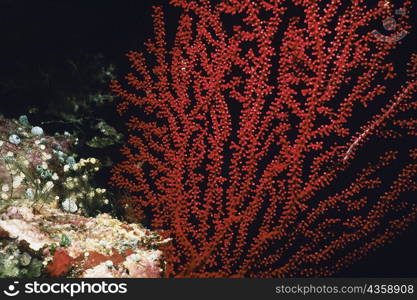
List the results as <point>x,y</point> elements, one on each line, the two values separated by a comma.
<point>208,139</point>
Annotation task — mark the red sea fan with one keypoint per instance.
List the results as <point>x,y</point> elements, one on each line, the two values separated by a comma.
<point>265,140</point>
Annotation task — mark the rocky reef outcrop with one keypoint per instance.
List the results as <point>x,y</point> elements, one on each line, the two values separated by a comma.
<point>54,219</point>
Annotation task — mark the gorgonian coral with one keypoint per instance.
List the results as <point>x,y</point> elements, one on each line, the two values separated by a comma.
<point>265,140</point>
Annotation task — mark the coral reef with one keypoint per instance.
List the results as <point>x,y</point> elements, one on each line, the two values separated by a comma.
<point>48,198</point>
<point>44,240</point>
<point>42,167</point>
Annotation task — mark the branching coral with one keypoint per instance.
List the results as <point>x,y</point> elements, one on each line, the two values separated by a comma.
<point>255,146</point>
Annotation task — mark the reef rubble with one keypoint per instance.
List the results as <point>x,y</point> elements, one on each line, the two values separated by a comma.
<point>43,240</point>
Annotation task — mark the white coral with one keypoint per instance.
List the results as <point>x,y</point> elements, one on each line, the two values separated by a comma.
<point>69,205</point>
